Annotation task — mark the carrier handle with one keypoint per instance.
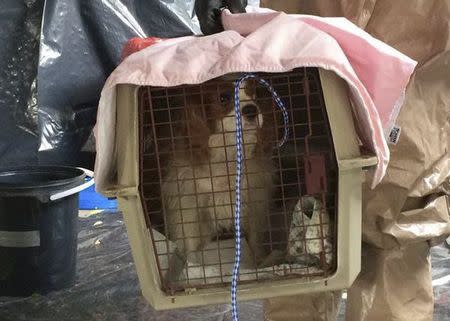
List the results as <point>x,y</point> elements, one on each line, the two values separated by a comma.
<point>76,189</point>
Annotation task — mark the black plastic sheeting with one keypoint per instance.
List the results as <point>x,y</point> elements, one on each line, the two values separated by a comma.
<point>51,77</point>
<point>107,287</point>
<point>20,23</point>
<point>80,46</point>
<point>55,57</point>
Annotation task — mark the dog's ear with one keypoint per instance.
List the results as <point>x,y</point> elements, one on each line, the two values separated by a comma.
<point>271,130</point>
<point>267,134</point>
<point>250,88</point>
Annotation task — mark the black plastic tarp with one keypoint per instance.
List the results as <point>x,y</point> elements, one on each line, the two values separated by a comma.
<point>81,44</point>
<point>55,57</point>
<point>20,23</point>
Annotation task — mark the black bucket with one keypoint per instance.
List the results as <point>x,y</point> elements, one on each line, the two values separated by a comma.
<point>38,228</point>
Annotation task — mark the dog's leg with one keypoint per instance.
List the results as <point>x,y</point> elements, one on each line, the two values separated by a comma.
<point>190,235</point>
<point>189,243</point>
<point>254,230</point>
<point>257,222</point>
<point>177,262</point>
<point>265,252</point>
<point>184,230</point>
<point>255,241</point>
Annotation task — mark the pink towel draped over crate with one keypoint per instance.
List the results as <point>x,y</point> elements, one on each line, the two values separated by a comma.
<point>268,41</point>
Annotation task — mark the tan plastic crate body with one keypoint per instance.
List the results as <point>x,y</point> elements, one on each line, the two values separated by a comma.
<point>350,164</point>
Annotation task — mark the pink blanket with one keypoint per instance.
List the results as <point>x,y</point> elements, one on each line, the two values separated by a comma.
<point>269,41</point>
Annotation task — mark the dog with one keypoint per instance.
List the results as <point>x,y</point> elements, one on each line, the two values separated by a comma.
<point>198,189</point>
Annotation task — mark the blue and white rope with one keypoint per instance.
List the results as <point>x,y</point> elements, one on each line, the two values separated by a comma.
<point>239,160</point>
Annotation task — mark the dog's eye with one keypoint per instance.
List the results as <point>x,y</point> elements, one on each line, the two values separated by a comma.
<point>225,98</point>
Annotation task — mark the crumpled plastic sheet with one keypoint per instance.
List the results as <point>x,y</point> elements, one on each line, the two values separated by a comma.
<point>81,42</point>
<point>107,287</point>
<point>81,45</point>
<point>20,25</point>
<point>184,9</point>
<point>441,282</point>
<point>63,65</point>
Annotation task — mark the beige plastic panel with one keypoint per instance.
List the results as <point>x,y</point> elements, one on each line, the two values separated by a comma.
<point>350,164</point>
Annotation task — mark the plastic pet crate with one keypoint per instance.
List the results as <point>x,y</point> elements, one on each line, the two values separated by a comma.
<point>301,201</point>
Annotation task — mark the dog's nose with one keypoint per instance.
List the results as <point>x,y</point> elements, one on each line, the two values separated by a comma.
<point>250,111</point>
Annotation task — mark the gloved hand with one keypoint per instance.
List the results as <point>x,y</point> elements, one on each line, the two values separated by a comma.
<point>209,11</point>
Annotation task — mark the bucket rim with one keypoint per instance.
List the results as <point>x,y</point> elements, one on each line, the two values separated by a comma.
<point>78,176</point>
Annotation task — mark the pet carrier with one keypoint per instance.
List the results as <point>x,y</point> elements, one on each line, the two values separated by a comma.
<point>301,202</point>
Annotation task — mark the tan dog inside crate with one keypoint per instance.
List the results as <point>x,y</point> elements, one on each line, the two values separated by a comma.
<point>198,188</point>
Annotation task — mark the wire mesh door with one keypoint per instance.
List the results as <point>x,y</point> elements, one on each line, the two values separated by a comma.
<point>188,172</point>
